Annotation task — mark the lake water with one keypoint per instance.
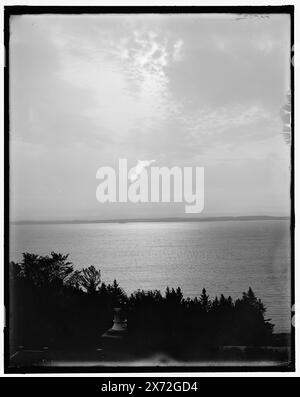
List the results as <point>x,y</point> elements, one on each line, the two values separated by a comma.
<point>222,256</point>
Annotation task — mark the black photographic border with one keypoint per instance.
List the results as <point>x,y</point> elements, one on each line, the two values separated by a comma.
<point>21,10</point>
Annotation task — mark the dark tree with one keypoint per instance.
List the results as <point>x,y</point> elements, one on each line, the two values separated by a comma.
<point>117,294</point>
<point>204,300</point>
<point>90,279</point>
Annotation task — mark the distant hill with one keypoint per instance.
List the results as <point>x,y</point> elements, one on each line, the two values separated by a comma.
<point>174,219</point>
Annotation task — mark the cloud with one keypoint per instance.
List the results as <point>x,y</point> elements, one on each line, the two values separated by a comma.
<point>177,50</point>
<point>183,89</point>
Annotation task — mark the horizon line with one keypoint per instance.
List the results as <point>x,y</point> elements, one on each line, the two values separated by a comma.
<point>159,219</point>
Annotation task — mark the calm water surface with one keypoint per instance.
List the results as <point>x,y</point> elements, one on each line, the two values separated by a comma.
<point>224,257</point>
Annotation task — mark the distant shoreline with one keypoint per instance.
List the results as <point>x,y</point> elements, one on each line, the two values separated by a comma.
<point>156,220</point>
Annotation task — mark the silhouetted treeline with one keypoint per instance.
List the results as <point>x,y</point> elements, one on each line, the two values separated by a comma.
<point>51,304</point>
<point>173,323</point>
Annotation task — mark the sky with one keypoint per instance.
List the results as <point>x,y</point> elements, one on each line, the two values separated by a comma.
<point>186,90</point>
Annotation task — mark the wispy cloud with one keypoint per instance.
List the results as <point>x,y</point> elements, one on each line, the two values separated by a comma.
<point>184,89</point>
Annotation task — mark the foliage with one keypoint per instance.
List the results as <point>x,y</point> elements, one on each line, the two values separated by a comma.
<point>173,323</point>
<point>90,278</point>
<point>52,304</point>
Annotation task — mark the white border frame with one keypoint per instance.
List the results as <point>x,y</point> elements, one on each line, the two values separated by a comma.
<point>296,172</point>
